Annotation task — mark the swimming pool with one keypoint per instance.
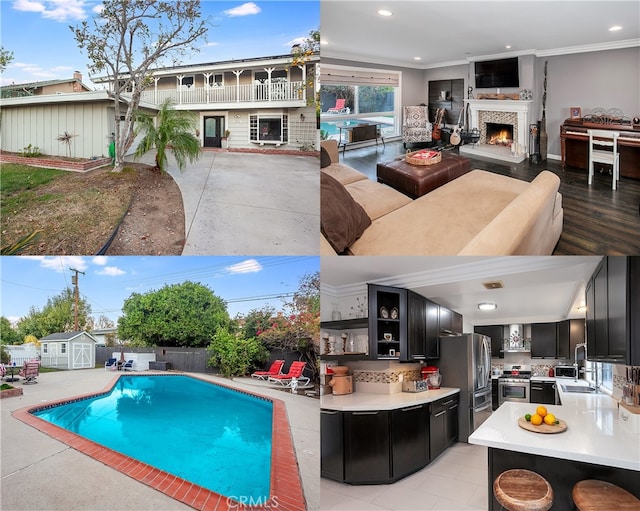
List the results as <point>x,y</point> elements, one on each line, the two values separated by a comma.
<point>183,436</point>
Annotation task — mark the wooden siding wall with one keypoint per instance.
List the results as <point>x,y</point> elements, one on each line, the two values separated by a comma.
<point>40,125</point>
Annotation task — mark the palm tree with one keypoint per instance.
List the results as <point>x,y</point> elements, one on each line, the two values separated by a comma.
<point>169,128</point>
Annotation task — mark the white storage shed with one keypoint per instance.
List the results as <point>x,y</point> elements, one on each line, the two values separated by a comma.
<point>68,350</point>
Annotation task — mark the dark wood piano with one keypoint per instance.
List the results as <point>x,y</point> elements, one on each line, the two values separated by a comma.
<point>575,144</point>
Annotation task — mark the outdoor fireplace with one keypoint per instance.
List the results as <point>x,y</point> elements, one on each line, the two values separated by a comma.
<point>499,134</point>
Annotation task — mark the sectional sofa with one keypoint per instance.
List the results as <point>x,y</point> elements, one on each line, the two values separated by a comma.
<point>478,213</point>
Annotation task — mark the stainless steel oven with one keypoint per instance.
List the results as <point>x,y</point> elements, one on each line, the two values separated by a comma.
<point>513,389</point>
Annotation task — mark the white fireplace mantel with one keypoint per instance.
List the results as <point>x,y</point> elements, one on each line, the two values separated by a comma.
<point>522,109</point>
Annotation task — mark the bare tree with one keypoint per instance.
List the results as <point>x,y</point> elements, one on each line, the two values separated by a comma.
<point>127,40</point>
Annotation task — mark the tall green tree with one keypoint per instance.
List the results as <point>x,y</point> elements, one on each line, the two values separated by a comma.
<point>186,314</point>
<point>8,334</point>
<point>56,316</point>
<point>6,57</point>
<point>126,40</point>
<point>257,321</point>
<point>169,128</point>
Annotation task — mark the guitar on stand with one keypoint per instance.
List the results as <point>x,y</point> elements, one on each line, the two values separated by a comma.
<point>455,136</point>
<point>437,134</point>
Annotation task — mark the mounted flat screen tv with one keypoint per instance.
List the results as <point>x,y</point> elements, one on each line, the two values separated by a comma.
<point>497,73</point>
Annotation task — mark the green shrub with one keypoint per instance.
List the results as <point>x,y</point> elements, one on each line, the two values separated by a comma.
<point>235,356</point>
<point>31,151</point>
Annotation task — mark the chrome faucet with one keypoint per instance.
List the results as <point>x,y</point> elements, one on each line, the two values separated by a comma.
<point>575,358</point>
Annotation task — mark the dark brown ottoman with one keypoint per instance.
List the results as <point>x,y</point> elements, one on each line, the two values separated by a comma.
<point>416,180</point>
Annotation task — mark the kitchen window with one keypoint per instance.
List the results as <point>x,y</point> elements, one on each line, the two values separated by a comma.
<point>269,128</point>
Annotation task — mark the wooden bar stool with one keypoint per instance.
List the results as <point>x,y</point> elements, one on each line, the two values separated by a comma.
<point>523,490</point>
<point>594,495</point>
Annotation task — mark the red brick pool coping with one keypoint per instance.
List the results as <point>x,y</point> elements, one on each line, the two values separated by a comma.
<point>286,486</point>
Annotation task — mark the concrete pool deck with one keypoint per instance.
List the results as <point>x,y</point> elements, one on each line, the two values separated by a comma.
<point>39,472</point>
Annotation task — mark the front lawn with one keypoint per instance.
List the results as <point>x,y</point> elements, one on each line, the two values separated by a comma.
<point>75,212</point>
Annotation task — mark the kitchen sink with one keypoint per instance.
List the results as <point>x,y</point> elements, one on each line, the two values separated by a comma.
<point>580,389</point>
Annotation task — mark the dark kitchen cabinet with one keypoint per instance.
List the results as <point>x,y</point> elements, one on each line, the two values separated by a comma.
<point>496,334</point>
<point>432,332</point>
<point>416,328</point>
<point>543,392</point>
<point>570,333</point>
<point>450,321</point>
<point>387,322</point>
<point>410,439</point>
<point>366,453</point>
<point>331,445</point>
<point>443,425</point>
<point>543,340</point>
<point>613,311</point>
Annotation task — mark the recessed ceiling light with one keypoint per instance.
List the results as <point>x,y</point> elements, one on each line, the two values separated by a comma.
<point>324,41</point>
<point>615,28</point>
<point>417,58</point>
<point>508,46</point>
<point>384,12</point>
<point>486,306</point>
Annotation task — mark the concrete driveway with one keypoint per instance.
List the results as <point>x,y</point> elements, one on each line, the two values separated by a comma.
<point>249,204</point>
<point>40,473</point>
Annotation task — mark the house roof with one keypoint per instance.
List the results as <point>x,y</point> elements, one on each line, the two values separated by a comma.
<point>66,336</point>
<point>218,66</point>
<point>69,97</point>
<point>44,83</point>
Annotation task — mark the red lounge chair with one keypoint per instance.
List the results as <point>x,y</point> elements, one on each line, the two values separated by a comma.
<point>30,371</point>
<point>295,371</point>
<point>274,370</point>
<point>339,108</point>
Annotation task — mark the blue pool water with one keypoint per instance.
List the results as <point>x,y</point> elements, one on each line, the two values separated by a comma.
<point>204,433</point>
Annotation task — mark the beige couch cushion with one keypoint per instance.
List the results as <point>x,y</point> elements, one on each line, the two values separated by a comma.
<point>443,221</point>
<point>343,173</point>
<point>376,199</point>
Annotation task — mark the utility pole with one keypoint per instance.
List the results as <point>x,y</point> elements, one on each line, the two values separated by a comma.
<point>76,295</point>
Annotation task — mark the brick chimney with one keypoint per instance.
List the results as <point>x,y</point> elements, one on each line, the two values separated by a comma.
<point>77,76</point>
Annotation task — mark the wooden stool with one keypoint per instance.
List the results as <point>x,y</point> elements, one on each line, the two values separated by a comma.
<point>523,490</point>
<point>593,495</point>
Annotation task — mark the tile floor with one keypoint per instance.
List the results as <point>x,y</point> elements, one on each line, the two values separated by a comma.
<point>456,480</point>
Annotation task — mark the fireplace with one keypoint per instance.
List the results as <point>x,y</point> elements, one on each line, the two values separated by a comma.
<point>499,134</point>
<point>512,116</point>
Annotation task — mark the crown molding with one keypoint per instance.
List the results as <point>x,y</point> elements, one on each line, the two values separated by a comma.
<point>568,50</point>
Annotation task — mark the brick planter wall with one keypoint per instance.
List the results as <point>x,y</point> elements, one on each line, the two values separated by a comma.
<point>52,163</point>
<point>16,391</point>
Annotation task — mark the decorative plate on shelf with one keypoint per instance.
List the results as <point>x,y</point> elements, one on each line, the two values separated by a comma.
<point>384,312</point>
<point>395,314</point>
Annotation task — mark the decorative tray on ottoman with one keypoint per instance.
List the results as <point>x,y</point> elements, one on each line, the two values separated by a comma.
<point>423,157</point>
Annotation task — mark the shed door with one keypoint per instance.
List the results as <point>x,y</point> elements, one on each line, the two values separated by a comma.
<point>81,356</point>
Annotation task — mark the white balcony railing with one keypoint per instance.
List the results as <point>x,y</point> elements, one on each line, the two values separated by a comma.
<point>270,93</point>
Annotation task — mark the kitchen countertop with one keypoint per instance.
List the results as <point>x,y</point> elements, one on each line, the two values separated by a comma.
<point>363,401</point>
<point>594,433</point>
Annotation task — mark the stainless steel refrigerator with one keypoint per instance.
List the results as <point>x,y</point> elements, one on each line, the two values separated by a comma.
<point>465,362</point>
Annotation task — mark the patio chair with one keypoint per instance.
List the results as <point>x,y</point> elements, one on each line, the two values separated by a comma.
<point>274,370</point>
<point>295,372</point>
<point>128,365</point>
<point>30,371</point>
<point>111,364</point>
<point>339,107</point>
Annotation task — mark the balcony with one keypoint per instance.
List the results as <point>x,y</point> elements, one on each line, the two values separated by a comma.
<point>276,94</point>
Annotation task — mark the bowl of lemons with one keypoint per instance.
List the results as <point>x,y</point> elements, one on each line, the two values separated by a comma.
<point>542,421</point>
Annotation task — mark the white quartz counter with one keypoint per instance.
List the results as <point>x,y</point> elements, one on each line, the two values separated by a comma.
<point>362,401</point>
<point>594,433</point>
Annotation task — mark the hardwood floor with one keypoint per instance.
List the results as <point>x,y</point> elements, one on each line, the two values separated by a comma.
<point>597,219</point>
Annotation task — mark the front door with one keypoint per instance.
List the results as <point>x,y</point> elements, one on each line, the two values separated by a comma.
<point>213,130</point>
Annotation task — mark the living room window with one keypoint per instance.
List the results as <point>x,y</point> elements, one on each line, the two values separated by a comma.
<point>269,128</point>
<point>353,93</point>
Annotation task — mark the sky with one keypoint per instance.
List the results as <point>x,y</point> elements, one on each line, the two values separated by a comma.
<point>246,283</point>
<point>38,34</point>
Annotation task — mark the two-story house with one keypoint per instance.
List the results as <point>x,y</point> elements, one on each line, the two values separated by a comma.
<point>263,102</point>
